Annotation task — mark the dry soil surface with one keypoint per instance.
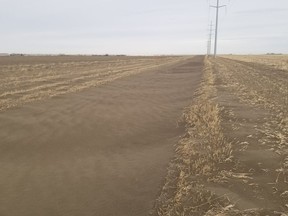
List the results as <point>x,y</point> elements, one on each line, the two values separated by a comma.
<point>233,159</point>
<point>101,151</point>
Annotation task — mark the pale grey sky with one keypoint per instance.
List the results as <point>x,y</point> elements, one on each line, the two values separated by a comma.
<point>141,27</point>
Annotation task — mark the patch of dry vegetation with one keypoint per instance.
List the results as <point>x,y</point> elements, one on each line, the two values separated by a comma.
<point>23,83</point>
<point>279,62</point>
<point>264,89</point>
<point>200,154</point>
<point>206,158</point>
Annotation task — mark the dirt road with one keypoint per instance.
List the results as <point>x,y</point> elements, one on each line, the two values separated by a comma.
<point>102,151</point>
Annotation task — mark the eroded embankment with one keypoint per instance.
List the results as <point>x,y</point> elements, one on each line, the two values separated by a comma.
<point>210,175</point>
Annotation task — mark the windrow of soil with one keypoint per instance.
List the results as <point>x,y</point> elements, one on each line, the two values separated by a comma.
<point>232,159</point>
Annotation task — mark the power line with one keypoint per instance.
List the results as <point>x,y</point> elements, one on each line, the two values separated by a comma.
<point>216,27</point>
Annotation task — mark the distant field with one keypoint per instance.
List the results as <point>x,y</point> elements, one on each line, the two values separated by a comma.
<point>275,61</point>
<point>25,79</point>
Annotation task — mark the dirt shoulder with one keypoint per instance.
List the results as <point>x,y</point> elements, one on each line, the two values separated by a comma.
<point>233,157</point>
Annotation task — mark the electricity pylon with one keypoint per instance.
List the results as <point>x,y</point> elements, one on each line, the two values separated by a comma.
<point>216,27</point>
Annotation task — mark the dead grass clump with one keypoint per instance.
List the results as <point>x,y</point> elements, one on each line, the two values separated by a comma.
<point>206,143</point>
<point>200,154</point>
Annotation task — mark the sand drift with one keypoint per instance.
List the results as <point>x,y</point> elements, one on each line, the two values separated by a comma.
<point>73,146</point>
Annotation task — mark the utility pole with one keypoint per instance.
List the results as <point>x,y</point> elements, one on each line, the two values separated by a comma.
<point>216,28</point>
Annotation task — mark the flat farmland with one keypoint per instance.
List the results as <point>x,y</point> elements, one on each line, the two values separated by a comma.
<point>159,136</point>
<point>90,135</point>
<point>233,159</point>
<point>26,79</point>
<point>274,61</point>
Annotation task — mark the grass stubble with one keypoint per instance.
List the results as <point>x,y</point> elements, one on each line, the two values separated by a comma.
<point>24,83</point>
<point>274,61</point>
<point>205,156</point>
<point>264,88</point>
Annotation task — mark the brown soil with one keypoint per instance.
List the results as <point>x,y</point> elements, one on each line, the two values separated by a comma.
<point>233,159</point>
<point>102,151</point>
<point>254,101</point>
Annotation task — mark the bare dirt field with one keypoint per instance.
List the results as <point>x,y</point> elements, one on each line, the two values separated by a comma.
<point>89,136</point>
<point>94,136</point>
<point>233,159</point>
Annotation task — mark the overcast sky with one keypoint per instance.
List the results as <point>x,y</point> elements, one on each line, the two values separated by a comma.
<point>136,27</point>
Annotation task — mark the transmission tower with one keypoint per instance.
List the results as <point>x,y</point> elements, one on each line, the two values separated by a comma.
<point>216,27</point>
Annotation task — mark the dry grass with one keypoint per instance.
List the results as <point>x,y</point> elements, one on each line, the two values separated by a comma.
<point>279,62</point>
<point>205,156</point>
<point>266,89</point>
<point>200,155</point>
<point>23,83</point>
